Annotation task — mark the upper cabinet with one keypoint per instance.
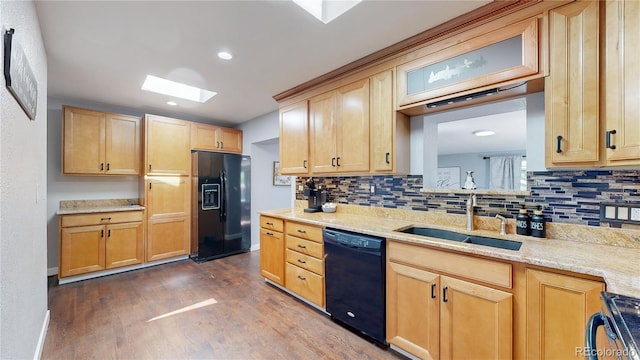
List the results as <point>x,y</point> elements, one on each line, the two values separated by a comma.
<point>339,129</point>
<point>215,138</point>
<point>99,143</point>
<point>505,55</point>
<point>294,139</point>
<point>167,146</point>
<point>592,114</point>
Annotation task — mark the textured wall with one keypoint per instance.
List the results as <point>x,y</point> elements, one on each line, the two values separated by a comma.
<point>566,196</point>
<point>23,187</point>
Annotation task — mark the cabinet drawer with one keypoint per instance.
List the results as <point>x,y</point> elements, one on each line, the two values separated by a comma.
<point>308,232</point>
<point>307,247</point>
<point>271,223</point>
<point>473,268</point>
<point>305,261</point>
<point>305,283</point>
<point>100,218</point>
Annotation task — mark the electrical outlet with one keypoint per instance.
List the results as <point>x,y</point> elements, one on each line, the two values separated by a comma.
<point>300,187</point>
<point>373,189</point>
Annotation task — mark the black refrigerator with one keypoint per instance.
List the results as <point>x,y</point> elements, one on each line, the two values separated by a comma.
<point>221,205</point>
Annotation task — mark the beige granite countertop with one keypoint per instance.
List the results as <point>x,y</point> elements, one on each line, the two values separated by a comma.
<point>68,207</point>
<point>619,266</point>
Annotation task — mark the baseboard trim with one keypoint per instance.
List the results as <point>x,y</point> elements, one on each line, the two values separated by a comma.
<point>43,336</point>
<point>52,271</point>
<point>255,247</point>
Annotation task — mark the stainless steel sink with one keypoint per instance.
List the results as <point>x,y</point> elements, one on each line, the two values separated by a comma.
<point>456,236</point>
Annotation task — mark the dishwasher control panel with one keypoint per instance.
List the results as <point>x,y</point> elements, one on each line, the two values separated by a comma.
<point>354,239</point>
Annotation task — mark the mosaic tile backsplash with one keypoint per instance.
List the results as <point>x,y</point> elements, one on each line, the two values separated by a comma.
<point>565,196</point>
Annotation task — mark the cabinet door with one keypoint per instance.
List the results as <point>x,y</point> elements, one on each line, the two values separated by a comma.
<point>168,196</point>
<point>622,86</point>
<point>168,149</point>
<point>83,143</point>
<point>230,140</point>
<point>352,123</point>
<point>124,245</point>
<point>322,134</point>
<point>294,139</point>
<point>203,137</point>
<point>476,321</point>
<point>122,146</point>
<point>413,310</point>
<point>272,255</point>
<point>572,88</point>
<point>382,122</point>
<point>558,307</point>
<point>81,250</point>
<point>168,237</point>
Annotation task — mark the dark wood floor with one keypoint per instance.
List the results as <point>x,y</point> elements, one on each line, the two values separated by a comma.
<point>237,316</point>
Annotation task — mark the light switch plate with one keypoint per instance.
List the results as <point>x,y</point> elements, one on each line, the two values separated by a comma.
<point>635,214</point>
<point>620,213</point>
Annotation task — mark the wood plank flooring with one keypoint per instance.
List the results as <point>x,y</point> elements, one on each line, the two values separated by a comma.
<point>228,312</point>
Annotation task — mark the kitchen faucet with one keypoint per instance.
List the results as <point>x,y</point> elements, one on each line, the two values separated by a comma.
<point>503,224</point>
<point>471,204</point>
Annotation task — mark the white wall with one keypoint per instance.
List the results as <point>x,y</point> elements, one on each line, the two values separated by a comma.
<point>23,161</point>
<point>260,141</point>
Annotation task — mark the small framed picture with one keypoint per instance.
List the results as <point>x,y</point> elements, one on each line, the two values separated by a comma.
<point>448,178</point>
<point>279,180</point>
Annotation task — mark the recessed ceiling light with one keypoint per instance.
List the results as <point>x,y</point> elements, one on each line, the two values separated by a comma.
<point>326,10</point>
<point>225,55</point>
<point>483,133</point>
<point>176,89</point>
<point>172,103</point>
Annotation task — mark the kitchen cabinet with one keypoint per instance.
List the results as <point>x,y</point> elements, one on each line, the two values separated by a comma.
<point>572,111</point>
<point>339,129</point>
<point>294,139</point>
<point>304,267</point>
<point>622,85</point>
<point>167,146</point>
<point>100,241</point>
<point>215,138</point>
<point>557,309</point>
<point>168,216</point>
<point>389,129</point>
<point>272,249</point>
<point>100,143</point>
<point>439,302</point>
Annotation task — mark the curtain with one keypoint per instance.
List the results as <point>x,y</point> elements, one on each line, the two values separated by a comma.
<point>504,172</point>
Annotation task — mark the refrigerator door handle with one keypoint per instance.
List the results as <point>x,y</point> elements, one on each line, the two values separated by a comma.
<point>223,190</point>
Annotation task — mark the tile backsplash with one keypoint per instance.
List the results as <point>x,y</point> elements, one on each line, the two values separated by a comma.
<point>572,197</point>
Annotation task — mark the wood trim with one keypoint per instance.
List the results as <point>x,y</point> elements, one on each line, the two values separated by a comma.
<point>484,13</point>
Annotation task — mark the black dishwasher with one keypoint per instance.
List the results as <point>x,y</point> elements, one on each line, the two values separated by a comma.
<point>355,281</point>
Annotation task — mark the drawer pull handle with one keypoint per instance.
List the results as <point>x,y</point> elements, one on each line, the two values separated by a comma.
<point>105,219</point>
<point>304,164</point>
<point>109,233</point>
<point>386,158</point>
<point>101,166</point>
<point>302,278</point>
<point>302,246</point>
<point>559,146</point>
<point>270,234</point>
<point>270,223</point>
<point>108,166</point>
<point>333,162</point>
<point>301,261</point>
<point>338,161</point>
<point>301,231</point>
<point>444,294</point>
<point>608,140</point>
<point>433,290</point>
<point>101,233</point>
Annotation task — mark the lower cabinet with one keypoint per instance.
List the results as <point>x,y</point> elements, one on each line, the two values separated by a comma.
<point>434,316</point>
<point>272,249</point>
<point>99,241</point>
<point>304,268</point>
<point>168,237</point>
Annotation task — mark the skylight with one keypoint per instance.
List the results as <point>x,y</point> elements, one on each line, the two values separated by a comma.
<point>326,10</point>
<point>176,89</point>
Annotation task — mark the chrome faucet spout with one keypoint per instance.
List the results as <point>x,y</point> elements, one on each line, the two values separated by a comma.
<point>471,204</point>
<point>503,224</point>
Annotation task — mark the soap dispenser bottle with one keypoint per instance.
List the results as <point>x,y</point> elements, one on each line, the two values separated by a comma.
<point>538,224</point>
<point>522,222</point>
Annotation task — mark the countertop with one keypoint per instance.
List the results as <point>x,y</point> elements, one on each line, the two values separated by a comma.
<point>90,210</point>
<point>618,266</point>
<point>68,207</point>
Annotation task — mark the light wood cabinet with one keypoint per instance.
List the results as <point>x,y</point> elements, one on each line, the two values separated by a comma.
<point>339,129</point>
<point>622,85</point>
<point>572,113</point>
<point>557,309</point>
<point>168,216</point>
<point>431,315</point>
<point>215,138</point>
<point>304,267</point>
<point>99,143</point>
<point>272,249</point>
<point>294,139</point>
<point>167,146</point>
<point>95,242</point>
<point>389,129</point>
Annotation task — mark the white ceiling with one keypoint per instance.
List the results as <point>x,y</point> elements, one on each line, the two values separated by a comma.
<point>101,51</point>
